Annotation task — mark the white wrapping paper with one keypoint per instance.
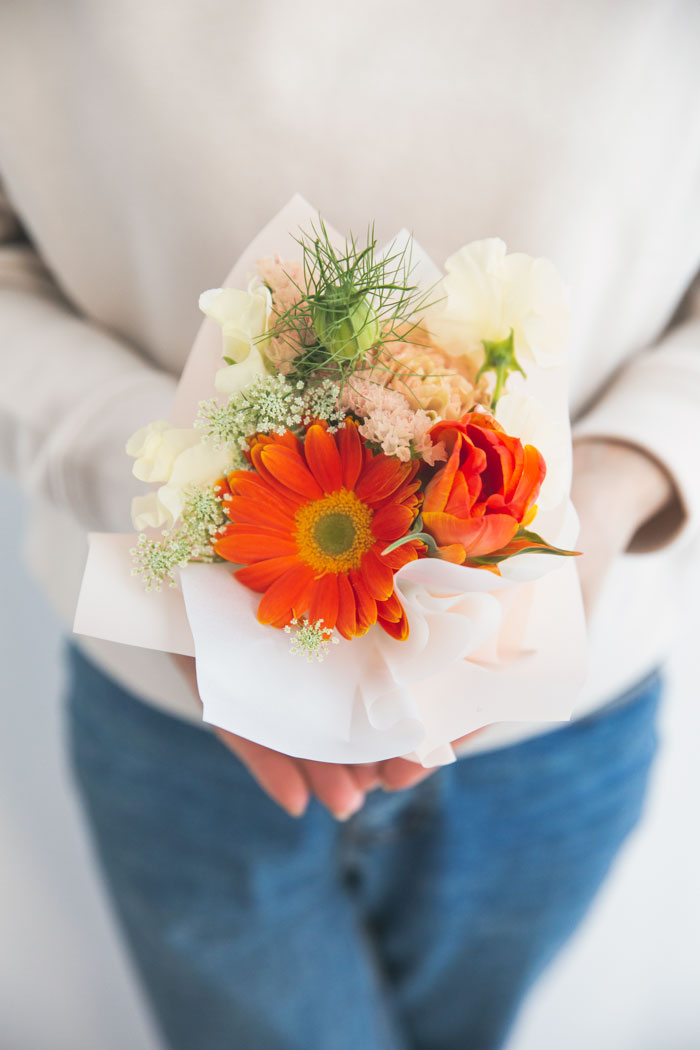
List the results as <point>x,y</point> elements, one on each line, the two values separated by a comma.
<point>481,649</point>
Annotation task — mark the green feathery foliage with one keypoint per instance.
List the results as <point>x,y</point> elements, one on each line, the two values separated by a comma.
<point>354,302</point>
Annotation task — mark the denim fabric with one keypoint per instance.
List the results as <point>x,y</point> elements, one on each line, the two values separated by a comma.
<point>421,923</point>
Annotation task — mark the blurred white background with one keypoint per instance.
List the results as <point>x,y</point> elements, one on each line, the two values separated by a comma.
<point>630,980</point>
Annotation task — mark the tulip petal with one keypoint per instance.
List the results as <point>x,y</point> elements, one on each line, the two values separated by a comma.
<point>439,487</point>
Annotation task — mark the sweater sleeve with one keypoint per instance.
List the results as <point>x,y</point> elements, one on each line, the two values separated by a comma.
<point>71,393</point>
<point>654,404</point>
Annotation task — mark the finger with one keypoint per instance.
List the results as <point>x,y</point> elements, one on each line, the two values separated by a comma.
<point>277,774</point>
<point>397,774</point>
<point>366,776</point>
<point>335,787</point>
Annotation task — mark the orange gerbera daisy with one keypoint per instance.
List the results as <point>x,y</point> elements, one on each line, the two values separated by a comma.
<point>310,523</point>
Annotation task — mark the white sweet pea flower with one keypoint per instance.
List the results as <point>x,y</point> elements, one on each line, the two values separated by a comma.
<point>180,459</point>
<point>234,378</point>
<point>487,292</point>
<point>147,512</point>
<point>197,467</point>
<point>156,447</point>
<point>243,317</point>
<point>526,418</point>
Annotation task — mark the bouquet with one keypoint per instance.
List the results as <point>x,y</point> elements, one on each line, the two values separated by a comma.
<point>358,524</point>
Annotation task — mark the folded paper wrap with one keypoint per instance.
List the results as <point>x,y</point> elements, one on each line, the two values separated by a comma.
<point>481,648</point>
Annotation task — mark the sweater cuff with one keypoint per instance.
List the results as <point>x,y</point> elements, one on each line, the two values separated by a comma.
<point>653,405</point>
<point>85,458</point>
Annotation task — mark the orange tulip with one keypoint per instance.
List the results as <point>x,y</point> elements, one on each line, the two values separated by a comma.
<point>476,503</point>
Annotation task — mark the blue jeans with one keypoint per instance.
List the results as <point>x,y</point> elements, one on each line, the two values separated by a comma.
<point>420,923</point>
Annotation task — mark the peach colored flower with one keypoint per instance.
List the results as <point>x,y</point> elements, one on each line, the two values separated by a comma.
<point>429,378</point>
<point>284,279</point>
<point>388,420</point>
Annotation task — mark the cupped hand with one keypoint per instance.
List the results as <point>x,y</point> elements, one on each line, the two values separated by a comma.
<point>292,781</point>
<point>616,489</point>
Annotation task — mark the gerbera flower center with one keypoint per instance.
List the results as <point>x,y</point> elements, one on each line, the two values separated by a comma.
<point>334,532</point>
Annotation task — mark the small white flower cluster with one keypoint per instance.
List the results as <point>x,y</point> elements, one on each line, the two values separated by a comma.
<point>155,561</point>
<point>310,640</point>
<point>268,405</point>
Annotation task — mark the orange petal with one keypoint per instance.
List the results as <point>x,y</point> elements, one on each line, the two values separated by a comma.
<point>391,609</point>
<point>402,555</point>
<point>290,470</point>
<point>249,485</point>
<point>382,477</point>
<point>439,487</point>
<point>323,458</point>
<point>278,604</point>
<point>397,629</point>
<point>324,601</point>
<point>262,574</point>
<point>347,619</point>
<point>255,512</point>
<point>392,522</point>
<point>378,577</point>
<point>365,605</point>
<point>454,552</point>
<point>242,545</point>
<point>270,480</point>
<point>478,535</point>
<point>351,453</point>
<point>465,490</point>
<point>530,483</point>
<point>496,531</point>
<point>407,493</point>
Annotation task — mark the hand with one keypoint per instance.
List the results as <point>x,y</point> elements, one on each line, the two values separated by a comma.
<point>616,488</point>
<point>291,781</point>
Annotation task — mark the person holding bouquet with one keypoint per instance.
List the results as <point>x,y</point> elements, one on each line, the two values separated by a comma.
<point>271,902</point>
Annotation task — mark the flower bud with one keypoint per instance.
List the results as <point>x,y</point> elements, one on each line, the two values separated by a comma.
<point>345,324</point>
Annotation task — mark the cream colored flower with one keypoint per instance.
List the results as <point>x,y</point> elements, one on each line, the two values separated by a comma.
<point>486,292</point>
<point>285,279</point>
<point>156,447</point>
<point>180,459</point>
<point>243,317</point>
<point>234,378</point>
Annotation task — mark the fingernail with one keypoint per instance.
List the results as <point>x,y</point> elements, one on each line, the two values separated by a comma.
<point>345,814</point>
<point>297,811</point>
